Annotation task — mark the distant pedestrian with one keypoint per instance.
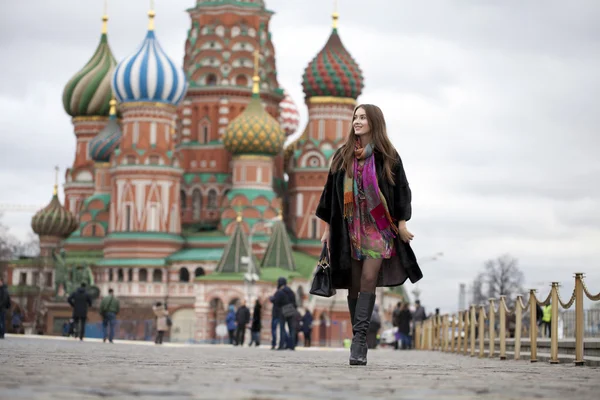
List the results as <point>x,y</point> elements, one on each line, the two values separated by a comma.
<point>109,308</point>
<point>231,325</point>
<point>4,305</point>
<point>80,300</point>
<point>16,321</point>
<point>374,327</point>
<point>418,316</point>
<point>276,321</point>
<point>307,325</point>
<point>162,324</point>
<point>256,324</point>
<point>547,321</point>
<point>242,319</point>
<point>402,319</point>
<point>286,300</point>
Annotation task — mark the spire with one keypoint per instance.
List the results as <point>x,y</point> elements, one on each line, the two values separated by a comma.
<point>279,250</point>
<point>105,18</point>
<point>55,191</point>
<point>237,248</point>
<point>151,15</point>
<point>113,109</point>
<point>335,14</point>
<point>256,78</point>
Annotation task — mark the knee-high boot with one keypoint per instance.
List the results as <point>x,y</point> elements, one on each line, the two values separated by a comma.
<point>352,309</point>
<point>362,316</point>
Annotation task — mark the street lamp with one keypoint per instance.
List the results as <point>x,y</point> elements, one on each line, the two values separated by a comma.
<point>251,277</point>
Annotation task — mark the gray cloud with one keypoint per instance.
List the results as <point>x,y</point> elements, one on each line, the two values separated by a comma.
<point>493,106</point>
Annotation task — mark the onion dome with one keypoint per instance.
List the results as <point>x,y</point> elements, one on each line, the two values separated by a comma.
<point>108,139</point>
<point>289,117</point>
<point>333,72</point>
<point>54,219</point>
<point>254,131</point>
<point>88,93</point>
<point>149,75</point>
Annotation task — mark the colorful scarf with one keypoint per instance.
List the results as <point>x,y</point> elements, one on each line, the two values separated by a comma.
<point>376,203</point>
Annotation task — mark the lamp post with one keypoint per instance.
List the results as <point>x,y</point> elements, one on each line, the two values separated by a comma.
<point>251,277</point>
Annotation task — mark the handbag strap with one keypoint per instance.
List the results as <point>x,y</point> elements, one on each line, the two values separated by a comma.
<point>324,259</point>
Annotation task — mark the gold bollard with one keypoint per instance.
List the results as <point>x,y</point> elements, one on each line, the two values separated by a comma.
<point>473,326</point>
<point>492,328</point>
<point>417,336</point>
<point>445,334</point>
<point>502,327</point>
<point>554,325</point>
<point>466,332</point>
<point>518,326</point>
<point>579,319</point>
<point>460,332</point>
<point>533,325</point>
<point>452,333</point>
<point>481,331</point>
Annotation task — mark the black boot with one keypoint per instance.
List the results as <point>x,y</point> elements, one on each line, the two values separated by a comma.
<point>364,309</point>
<point>352,309</point>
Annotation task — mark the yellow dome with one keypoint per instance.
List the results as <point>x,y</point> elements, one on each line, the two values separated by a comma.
<point>254,132</point>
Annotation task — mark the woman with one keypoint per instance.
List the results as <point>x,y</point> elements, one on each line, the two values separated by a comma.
<point>162,325</point>
<point>367,237</point>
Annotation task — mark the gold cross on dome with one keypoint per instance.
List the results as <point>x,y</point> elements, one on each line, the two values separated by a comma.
<point>256,58</point>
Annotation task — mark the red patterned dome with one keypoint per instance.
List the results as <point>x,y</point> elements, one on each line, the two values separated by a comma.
<point>333,72</point>
<point>289,117</point>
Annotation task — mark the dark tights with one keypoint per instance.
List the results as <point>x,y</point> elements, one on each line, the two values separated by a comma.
<point>364,276</point>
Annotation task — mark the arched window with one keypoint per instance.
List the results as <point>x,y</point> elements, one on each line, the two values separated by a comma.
<point>199,272</point>
<point>211,80</point>
<point>157,275</point>
<point>183,200</point>
<point>212,198</point>
<point>241,80</point>
<point>143,275</point>
<point>111,275</point>
<point>196,203</point>
<point>130,275</point>
<point>120,275</point>
<point>184,275</point>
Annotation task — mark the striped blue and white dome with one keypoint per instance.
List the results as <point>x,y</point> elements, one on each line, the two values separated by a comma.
<point>149,75</point>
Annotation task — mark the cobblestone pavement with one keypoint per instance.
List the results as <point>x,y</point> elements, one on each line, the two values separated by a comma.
<point>34,368</point>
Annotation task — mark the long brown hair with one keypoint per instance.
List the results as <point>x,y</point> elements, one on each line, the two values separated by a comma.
<point>379,140</point>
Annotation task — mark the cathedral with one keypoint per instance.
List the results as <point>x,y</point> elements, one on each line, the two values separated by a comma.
<point>181,189</point>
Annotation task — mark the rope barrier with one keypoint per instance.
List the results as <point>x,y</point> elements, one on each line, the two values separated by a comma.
<point>462,332</point>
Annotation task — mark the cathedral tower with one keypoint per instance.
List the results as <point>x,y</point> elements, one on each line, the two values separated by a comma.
<point>146,176</point>
<point>219,66</point>
<point>332,81</point>
<point>86,98</point>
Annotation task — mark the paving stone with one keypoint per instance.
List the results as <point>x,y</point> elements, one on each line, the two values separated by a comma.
<point>46,368</point>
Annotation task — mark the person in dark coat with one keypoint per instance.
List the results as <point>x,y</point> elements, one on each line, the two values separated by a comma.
<point>230,321</point>
<point>307,325</point>
<point>256,324</point>
<point>80,300</point>
<point>276,321</point>
<point>366,203</point>
<point>4,305</point>
<point>242,318</point>
<point>402,319</point>
<point>285,299</point>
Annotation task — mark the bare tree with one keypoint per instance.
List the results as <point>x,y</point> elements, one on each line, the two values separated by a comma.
<point>7,243</point>
<point>501,276</point>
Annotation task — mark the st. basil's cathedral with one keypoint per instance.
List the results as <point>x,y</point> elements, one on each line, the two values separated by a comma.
<point>181,189</point>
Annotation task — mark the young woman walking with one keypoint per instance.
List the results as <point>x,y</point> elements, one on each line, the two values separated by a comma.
<point>366,203</point>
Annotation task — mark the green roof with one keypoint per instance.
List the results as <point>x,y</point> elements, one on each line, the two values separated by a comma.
<point>131,262</point>
<point>236,248</point>
<point>305,263</point>
<point>226,276</point>
<point>204,177</point>
<point>197,255</point>
<point>145,236</point>
<point>272,274</point>
<point>279,249</point>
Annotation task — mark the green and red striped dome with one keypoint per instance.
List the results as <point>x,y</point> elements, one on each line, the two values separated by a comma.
<point>333,72</point>
<point>54,220</point>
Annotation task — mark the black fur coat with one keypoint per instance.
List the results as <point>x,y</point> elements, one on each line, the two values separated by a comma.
<point>394,271</point>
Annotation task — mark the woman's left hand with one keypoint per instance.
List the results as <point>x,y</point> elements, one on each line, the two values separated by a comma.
<point>405,235</point>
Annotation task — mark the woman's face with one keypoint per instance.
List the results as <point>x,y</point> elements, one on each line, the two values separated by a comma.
<point>360,123</point>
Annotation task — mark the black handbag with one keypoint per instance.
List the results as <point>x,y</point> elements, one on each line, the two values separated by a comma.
<point>321,284</point>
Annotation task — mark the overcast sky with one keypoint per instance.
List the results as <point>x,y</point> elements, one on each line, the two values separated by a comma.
<point>493,106</point>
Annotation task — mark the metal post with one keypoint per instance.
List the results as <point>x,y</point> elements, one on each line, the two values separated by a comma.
<point>554,325</point>
<point>492,328</point>
<point>533,325</point>
<point>502,307</point>
<point>518,327</point>
<point>579,319</point>
<point>473,325</point>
